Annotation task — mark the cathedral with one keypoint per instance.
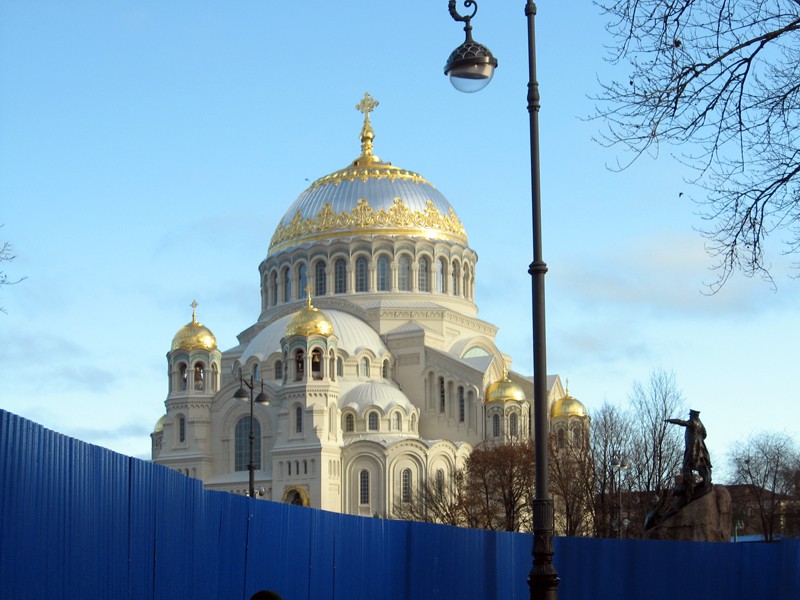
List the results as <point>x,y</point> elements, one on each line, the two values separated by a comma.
<point>367,372</point>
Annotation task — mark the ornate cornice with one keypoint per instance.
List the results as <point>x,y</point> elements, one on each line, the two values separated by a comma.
<point>363,219</point>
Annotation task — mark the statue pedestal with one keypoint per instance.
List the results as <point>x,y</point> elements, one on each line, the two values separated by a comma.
<point>707,519</point>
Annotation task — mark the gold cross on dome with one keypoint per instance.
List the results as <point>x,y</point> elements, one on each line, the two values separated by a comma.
<point>308,295</point>
<point>367,104</point>
<point>194,310</point>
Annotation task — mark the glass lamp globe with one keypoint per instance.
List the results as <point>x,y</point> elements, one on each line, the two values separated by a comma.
<point>470,67</point>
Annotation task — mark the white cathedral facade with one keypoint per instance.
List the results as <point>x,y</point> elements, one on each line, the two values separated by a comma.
<point>371,371</point>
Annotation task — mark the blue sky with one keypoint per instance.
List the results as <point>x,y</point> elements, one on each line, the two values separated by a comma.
<point>148,150</point>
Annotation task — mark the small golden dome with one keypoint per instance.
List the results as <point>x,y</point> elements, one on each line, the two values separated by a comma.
<point>309,321</point>
<point>504,390</point>
<point>194,335</point>
<point>567,407</point>
<point>160,424</point>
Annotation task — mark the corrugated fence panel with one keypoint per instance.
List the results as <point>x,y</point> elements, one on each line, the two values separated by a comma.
<point>278,548</point>
<point>78,521</point>
<point>228,529</point>
<point>141,530</point>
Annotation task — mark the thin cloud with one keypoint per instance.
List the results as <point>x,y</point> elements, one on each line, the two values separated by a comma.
<point>659,275</point>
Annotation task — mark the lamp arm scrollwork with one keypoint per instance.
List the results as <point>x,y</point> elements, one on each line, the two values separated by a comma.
<point>464,18</point>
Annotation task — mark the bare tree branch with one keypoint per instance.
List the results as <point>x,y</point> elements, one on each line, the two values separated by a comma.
<point>721,80</point>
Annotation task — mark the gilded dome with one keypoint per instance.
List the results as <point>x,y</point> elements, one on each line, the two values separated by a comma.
<point>160,424</point>
<point>309,321</point>
<point>194,335</point>
<point>504,390</point>
<point>567,407</point>
<point>368,197</point>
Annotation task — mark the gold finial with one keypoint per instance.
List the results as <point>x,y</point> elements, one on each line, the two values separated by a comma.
<point>505,373</point>
<point>308,295</point>
<point>366,106</point>
<point>194,311</point>
<point>567,386</point>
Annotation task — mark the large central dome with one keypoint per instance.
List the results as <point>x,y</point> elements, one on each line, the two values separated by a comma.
<point>368,197</point>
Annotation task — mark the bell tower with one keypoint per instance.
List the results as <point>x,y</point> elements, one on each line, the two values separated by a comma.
<point>181,439</point>
<point>308,449</point>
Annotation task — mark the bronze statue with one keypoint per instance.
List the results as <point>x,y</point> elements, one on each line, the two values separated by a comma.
<point>695,458</point>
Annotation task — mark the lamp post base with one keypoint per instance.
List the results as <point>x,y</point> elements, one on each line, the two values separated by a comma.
<point>543,579</point>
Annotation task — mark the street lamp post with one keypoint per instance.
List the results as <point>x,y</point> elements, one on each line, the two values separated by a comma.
<point>619,465</point>
<point>470,68</point>
<point>241,394</point>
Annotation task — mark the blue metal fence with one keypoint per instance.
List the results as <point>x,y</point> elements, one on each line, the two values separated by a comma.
<point>81,522</point>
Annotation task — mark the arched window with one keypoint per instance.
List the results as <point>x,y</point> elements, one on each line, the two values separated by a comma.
<point>287,285</point>
<point>302,280</point>
<point>441,275</point>
<point>183,376</point>
<point>363,484</point>
<point>385,369</point>
<point>349,423</point>
<point>256,372</point>
<point>364,367</point>
<point>340,276</point>
<point>332,366</point>
<point>413,424</point>
<point>372,421</point>
<point>199,376</point>
<point>496,426</point>
<point>454,287</point>
<point>362,274</point>
<point>441,395</point>
<point>299,365</point>
<point>273,297</point>
<point>404,273</point>
<point>383,273</point>
<point>397,424</point>
<point>298,419</point>
<point>316,363</point>
<point>561,440</point>
<point>577,437</point>
<point>242,444</point>
<point>405,486</point>
<point>461,405</point>
<point>278,369</point>
<point>214,378</point>
<point>339,367</point>
<point>320,283</point>
<point>182,429</point>
<point>289,466</point>
<point>512,425</point>
<point>423,275</point>
<point>439,483</point>
<point>466,287</point>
